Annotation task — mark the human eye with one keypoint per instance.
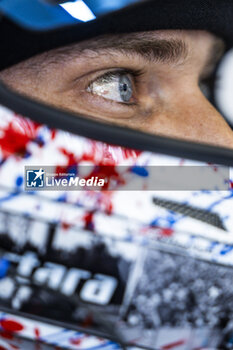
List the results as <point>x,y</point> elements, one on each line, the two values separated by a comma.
<point>117,85</point>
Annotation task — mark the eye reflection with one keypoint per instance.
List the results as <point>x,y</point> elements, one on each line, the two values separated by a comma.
<point>115,86</point>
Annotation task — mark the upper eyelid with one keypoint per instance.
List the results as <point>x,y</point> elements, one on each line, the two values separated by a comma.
<point>86,79</point>
<point>109,75</point>
<point>114,71</point>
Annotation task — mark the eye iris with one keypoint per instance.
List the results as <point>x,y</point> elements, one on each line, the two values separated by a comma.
<point>125,88</point>
<point>113,86</point>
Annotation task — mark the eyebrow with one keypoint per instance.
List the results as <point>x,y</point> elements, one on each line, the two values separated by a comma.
<point>151,50</point>
<point>143,45</point>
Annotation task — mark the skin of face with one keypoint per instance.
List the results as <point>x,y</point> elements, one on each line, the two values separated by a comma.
<point>162,68</point>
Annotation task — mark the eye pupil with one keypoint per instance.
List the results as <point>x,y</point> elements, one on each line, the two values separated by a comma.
<point>125,88</point>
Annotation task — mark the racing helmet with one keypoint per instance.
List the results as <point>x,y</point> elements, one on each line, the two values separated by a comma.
<point>110,237</point>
